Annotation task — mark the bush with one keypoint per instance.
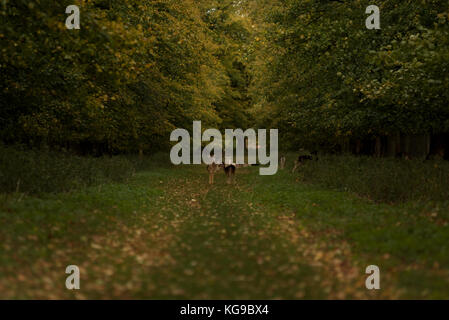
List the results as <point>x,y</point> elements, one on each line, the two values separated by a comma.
<point>159,160</point>
<point>390,180</point>
<point>37,171</point>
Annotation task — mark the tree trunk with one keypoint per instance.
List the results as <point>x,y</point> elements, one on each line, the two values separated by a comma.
<point>393,143</point>
<point>419,145</point>
<point>378,147</point>
<point>358,147</point>
<point>405,139</point>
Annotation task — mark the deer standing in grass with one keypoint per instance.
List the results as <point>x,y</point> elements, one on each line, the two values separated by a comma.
<point>230,172</point>
<point>212,169</point>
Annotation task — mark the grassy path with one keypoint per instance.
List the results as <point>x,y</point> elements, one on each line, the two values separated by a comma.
<point>167,234</point>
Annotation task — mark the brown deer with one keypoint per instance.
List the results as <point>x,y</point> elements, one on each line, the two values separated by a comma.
<point>230,172</point>
<point>212,169</point>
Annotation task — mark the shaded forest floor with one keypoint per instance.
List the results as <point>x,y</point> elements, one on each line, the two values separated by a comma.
<point>168,234</point>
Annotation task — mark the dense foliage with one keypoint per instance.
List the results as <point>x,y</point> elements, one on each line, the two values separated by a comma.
<point>323,77</point>
<point>132,73</point>
<point>383,180</point>
<point>139,68</point>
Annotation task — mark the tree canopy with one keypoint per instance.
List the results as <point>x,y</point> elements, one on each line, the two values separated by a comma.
<point>137,69</point>
<point>322,75</point>
<point>133,72</point>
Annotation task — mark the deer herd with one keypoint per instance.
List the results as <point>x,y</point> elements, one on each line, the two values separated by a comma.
<point>230,168</point>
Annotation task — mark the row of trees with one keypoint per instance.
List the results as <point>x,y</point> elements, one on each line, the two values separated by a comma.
<point>139,68</point>
<point>323,78</point>
<point>134,71</point>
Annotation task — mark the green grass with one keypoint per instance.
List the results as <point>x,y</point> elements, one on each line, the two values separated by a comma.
<point>410,240</point>
<point>167,234</point>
